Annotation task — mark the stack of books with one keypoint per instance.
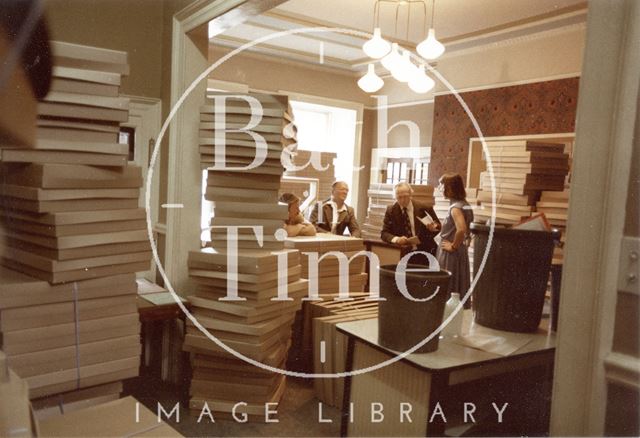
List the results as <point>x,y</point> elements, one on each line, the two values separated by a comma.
<point>521,169</point>
<point>555,206</point>
<point>65,337</point>
<point>254,326</point>
<point>72,234</point>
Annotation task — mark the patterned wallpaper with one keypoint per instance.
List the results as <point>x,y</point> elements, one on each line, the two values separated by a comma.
<point>539,108</point>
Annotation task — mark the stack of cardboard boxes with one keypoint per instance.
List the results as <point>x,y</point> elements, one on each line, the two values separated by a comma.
<point>522,169</point>
<point>72,234</point>
<point>254,326</point>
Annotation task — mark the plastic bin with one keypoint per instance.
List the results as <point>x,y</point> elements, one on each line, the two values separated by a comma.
<point>403,323</point>
<point>509,294</point>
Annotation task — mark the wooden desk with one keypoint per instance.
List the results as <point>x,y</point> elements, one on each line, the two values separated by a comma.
<point>450,376</point>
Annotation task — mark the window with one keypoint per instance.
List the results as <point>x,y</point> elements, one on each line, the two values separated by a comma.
<point>397,170</point>
<point>128,136</point>
<point>328,129</point>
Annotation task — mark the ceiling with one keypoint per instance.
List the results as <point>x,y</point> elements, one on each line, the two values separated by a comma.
<point>459,24</point>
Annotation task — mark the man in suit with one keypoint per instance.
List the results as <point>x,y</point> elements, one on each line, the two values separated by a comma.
<point>334,215</point>
<point>402,222</point>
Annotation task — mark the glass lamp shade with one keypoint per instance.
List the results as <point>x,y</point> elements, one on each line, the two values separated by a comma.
<point>430,48</point>
<point>392,59</point>
<point>377,47</point>
<point>404,70</point>
<point>420,82</point>
<point>370,82</point>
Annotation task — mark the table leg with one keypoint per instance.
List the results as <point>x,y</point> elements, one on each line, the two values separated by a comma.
<point>346,399</point>
<point>438,388</point>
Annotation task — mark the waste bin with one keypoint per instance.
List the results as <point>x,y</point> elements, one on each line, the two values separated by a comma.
<point>403,323</point>
<point>556,284</point>
<point>509,294</point>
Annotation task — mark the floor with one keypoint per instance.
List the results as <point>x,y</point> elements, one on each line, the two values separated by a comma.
<point>297,412</point>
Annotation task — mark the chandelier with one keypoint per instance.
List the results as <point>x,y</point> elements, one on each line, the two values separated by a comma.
<point>396,59</point>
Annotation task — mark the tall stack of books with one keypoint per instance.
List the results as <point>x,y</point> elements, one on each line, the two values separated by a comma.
<point>555,206</point>
<point>522,169</point>
<point>70,217</point>
<point>256,327</point>
<point>380,197</point>
<point>324,280</point>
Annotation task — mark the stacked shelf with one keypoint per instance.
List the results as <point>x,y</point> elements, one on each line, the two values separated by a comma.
<point>522,169</point>
<point>380,197</point>
<point>256,326</point>
<point>70,217</point>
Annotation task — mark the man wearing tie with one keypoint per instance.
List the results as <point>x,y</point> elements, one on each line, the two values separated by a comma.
<point>404,223</point>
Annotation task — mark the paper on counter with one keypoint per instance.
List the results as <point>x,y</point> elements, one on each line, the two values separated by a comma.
<point>493,344</point>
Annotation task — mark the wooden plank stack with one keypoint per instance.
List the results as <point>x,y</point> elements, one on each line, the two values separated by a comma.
<point>380,197</point>
<point>522,169</point>
<point>257,327</point>
<point>325,315</point>
<point>555,206</point>
<point>70,217</point>
<point>327,280</point>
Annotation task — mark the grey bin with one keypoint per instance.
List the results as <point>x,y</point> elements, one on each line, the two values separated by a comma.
<point>403,323</point>
<point>509,294</point>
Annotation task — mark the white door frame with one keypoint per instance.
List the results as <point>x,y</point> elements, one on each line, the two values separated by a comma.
<point>189,58</point>
<point>607,108</point>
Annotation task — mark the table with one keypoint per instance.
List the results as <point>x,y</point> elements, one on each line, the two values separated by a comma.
<point>446,379</point>
<point>162,332</point>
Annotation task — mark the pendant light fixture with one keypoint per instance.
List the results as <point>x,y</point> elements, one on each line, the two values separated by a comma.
<point>420,82</point>
<point>404,69</point>
<point>370,82</point>
<point>431,48</point>
<point>398,61</point>
<point>377,47</point>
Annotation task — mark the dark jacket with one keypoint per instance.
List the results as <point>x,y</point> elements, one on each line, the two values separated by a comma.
<point>346,219</point>
<point>394,226</point>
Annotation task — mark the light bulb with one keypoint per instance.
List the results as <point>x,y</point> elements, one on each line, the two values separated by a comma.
<point>430,48</point>
<point>404,70</point>
<point>370,82</point>
<point>392,59</point>
<point>376,47</point>
<point>420,82</point>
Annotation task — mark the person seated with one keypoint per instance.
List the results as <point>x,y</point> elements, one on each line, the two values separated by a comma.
<point>334,215</point>
<point>295,225</point>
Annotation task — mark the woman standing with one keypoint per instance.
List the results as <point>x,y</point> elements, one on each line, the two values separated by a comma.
<point>452,252</point>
